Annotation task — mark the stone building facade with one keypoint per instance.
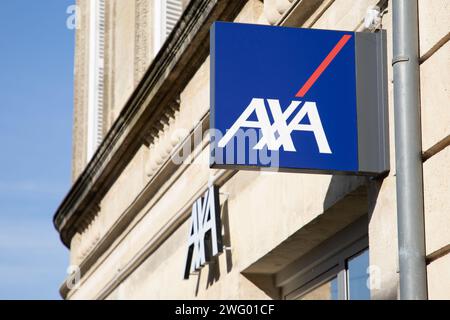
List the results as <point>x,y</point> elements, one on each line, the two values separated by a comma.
<point>142,91</point>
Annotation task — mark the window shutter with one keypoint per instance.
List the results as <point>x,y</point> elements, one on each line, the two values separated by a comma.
<point>100,70</point>
<point>166,15</point>
<point>174,9</point>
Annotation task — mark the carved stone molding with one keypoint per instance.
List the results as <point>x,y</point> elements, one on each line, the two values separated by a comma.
<point>86,219</point>
<point>275,9</point>
<point>283,5</point>
<point>89,229</point>
<point>162,138</point>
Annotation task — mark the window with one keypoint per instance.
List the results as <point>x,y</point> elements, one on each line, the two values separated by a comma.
<point>357,278</point>
<point>349,283</point>
<point>335,270</point>
<point>325,291</point>
<point>96,74</point>
<point>166,15</point>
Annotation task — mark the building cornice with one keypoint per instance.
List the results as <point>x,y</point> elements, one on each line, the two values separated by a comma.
<point>178,60</point>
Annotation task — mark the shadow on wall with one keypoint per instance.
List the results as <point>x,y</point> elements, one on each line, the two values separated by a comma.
<point>213,267</point>
<point>341,186</point>
<point>347,199</point>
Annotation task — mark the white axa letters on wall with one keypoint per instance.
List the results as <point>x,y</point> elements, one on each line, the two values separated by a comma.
<point>279,133</point>
<point>205,238</point>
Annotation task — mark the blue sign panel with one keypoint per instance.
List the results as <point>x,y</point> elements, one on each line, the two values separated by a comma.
<point>289,99</point>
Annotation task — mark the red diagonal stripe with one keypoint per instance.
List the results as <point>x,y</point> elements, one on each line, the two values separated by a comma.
<point>325,63</point>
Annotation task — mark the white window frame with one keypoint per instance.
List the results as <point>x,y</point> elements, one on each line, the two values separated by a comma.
<point>166,14</point>
<point>96,76</point>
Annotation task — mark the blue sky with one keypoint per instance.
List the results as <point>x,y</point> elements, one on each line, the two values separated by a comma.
<point>36,103</point>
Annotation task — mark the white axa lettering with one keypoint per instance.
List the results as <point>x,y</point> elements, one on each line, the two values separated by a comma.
<point>279,133</point>
<point>205,233</point>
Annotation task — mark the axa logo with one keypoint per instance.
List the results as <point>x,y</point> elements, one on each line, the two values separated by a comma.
<point>205,237</point>
<point>278,133</point>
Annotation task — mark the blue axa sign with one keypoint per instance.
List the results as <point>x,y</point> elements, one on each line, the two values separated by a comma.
<point>296,99</point>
